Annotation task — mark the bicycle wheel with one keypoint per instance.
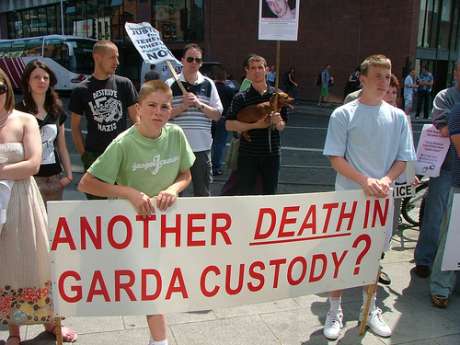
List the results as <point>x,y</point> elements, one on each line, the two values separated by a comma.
<point>411,208</point>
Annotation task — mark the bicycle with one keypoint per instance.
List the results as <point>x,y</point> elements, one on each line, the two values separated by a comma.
<point>412,207</point>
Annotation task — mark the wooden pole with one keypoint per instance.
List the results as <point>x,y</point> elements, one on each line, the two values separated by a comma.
<point>277,82</point>
<point>58,330</point>
<point>176,77</point>
<point>371,289</point>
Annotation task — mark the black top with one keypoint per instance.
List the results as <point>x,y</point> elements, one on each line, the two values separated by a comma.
<point>49,131</point>
<point>259,144</point>
<point>105,104</point>
<point>226,94</point>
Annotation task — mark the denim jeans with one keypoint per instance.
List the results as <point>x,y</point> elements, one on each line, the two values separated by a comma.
<point>201,173</point>
<point>435,206</point>
<point>442,283</point>
<point>218,145</point>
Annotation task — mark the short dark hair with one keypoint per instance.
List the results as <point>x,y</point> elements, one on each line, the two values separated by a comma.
<point>191,46</point>
<point>253,57</point>
<point>102,46</point>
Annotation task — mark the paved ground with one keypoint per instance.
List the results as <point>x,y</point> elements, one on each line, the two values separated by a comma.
<point>296,321</point>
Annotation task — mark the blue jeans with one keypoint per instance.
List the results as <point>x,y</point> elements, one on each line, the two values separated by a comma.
<point>218,145</point>
<point>201,173</point>
<point>435,206</point>
<point>442,283</point>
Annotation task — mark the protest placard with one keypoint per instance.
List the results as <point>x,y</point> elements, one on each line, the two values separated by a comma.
<point>451,258</point>
<point>207,253</point>
<point>431,151</point>
<point>148,43</point>
<point>278,20</point>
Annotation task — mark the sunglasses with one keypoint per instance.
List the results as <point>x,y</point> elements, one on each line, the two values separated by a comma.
<point>191,59</point>
<point>3,88</point>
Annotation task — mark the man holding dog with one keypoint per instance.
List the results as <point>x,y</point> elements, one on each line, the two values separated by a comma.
<point>260,156</point>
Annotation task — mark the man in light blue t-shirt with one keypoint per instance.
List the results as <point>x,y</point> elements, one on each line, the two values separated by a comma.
<point>368,143</point>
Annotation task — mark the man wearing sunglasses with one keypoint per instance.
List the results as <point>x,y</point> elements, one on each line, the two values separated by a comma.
<point>194,112</point>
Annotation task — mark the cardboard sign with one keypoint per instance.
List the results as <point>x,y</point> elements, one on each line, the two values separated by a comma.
<point>206,253</point>
<point>278,21</point>
<point>147,41</point>
<point>431,151</point>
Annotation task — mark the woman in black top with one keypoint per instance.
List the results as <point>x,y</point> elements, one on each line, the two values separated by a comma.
<point>42,101</point>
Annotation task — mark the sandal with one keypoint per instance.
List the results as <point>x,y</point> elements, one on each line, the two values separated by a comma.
<point>68,334</point>
<point>439,301</point>
<point>13,337</point>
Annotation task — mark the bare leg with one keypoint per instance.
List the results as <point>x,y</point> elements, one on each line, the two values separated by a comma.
<point>157,326</point>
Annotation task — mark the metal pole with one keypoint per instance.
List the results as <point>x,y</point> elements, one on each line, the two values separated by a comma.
<point>62,17</point>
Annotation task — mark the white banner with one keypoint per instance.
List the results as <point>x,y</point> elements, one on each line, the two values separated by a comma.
<point>207,253</point>
<point>431,151</point>
<point>451,258</point>
<point>279,20</point>
<point>147,41</point>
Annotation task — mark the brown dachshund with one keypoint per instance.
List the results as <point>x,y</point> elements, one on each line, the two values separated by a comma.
<point>254,112</point>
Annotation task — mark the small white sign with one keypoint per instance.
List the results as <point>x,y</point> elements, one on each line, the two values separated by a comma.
<point>431,151</point>
<point>279,20</point>
<point>147,41</point>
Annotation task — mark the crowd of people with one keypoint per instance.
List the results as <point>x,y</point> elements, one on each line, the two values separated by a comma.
<point>184,124</point>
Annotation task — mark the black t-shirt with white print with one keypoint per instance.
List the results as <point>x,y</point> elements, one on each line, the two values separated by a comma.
<point>49,131</point>
<point>105,104</point>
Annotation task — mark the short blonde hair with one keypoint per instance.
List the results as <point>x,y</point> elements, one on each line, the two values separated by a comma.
<point>377,60</point>
<point>152,86</point>
<point>9,101</point>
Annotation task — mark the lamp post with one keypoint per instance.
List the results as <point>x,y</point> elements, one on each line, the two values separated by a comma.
<point>62,17</point>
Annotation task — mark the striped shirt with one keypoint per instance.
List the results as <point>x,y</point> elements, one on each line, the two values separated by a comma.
<point>259,144</point>
<point>195,124</point>
<point>454,129</point>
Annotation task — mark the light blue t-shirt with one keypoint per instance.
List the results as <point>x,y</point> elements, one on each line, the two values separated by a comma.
<point>370,138</point>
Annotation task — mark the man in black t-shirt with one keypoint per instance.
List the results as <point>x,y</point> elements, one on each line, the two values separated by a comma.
<point>106,100</point>
<point>261,155</point>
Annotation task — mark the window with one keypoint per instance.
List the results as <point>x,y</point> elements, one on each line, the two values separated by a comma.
<point>179,20</point>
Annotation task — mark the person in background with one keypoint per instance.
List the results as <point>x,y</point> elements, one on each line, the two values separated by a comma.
<point>425,85</point>
<point>151,74</point>
<point>42,101</point>
<point>409,89</point>
<point>220,134</point>
<point>290,84</point>
<point>325,77</point>
<point>271,76</point>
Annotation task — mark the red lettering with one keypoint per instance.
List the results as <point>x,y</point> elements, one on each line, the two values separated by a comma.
<point>366,214</point>
<point>344,215</point>
<point>262,212</point>
<point>172,288</point>
<point>98,280</point>
<point>127,286</point>
<point>146,220</point>
<point>158,283</point>
<point>316,258</point>
<point>204,274</point>
<point>307,224</point>
<point>85,229</point>
<point>256,275</point>
<point>382,214</point>
<point>285,221</point>
<point>276,263</point>
<point>338,262</point>
<point>228,278</point>
<point>175,230</point>
<point>62,226</point>
<point>329,207</point>
<point>191,229</point>
<point>76,289</point>
<point>110,232</point>
<point>222,230</point>
<point>303,270</point>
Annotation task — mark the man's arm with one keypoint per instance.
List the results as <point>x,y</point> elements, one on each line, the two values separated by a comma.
<point>76,133</point>
<point>455,139</point>
<point>238,126</point>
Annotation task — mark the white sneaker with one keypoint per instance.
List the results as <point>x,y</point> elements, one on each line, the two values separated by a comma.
<point>377,325</point>
<point>333,324</point>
